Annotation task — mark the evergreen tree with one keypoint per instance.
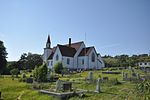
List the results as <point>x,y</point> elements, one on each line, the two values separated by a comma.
<point>3,61</point>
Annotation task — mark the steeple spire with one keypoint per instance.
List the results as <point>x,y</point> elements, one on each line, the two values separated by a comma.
<point>48,44</point>
<point>48,39</point>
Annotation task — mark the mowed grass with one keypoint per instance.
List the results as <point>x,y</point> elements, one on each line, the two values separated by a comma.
<point>12,89</point>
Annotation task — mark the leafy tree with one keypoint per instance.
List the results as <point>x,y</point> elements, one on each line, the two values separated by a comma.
<point>58,67</point>
<point>3,60</point>
<point>14,71</point>
<point>40,73</point>
<point>27,61</point>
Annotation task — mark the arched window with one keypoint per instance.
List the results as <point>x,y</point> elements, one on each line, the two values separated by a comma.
<point>68,61</point>
<point>93,57</point>
<point>57,57</point>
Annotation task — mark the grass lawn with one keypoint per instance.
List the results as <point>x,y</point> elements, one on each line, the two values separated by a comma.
<point>12,89</point>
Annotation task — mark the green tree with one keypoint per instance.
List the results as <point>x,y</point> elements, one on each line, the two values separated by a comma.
<point>58,67</point>
<point>14,71</point>
<point>28,61</point>
<point>40,73</point>
<point>3,61</point>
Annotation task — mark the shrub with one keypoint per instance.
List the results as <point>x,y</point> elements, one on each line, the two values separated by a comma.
<point>14,71</point>
<point>58,67</point>
<point>40,73</point>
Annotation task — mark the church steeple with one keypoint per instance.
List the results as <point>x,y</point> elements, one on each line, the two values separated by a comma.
<point>48,44</point>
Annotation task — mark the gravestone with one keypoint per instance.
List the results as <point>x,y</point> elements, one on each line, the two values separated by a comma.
<point>134,74</point>
<point>1,95</point>
<point>23,75</point>
<point>90,76</point>
<point>98,86</point>
<point>123,75</point>
<point>29,80</point>
<point>105,78</point>
<point>67,86</point>
<point>138,76</point>
<point>58,85</point>
<point>48,76</point>
<point>126,76</point>
<point>130,68</point>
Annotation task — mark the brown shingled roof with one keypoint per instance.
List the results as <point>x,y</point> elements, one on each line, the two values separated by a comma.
<point>75,45</point>
<point>86,51</point>
<point>67,51</point>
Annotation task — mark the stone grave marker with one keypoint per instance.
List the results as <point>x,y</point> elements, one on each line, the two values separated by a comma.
<point>138,76</point>
<point>98,90</point>
<point>123,74</point>
<point>90,76</point>
<point>58,85</point>
<point>48,76</point>
<point>23,75</point>
<point>67,86</point>
<point>126,76</point>
<point>1,96</point>
<point>133,74</point>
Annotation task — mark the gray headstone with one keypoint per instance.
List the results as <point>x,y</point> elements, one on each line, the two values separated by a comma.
<point>126,75</point>
<point>138,76</point>
<point>130,68</point>
<point>123,74</point>
<point>90,76</point>
<point>58,85</point>
<point>98,86</point>
<point>48,76</point>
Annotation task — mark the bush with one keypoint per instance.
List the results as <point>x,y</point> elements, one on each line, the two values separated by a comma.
<point>14,71</point>
<point>40,73</point>
<point>58,67</point>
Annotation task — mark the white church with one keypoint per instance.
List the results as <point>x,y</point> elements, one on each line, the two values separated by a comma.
<point>73,56</point>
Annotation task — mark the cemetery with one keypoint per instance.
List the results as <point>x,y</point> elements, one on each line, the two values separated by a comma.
<point>87,85</point>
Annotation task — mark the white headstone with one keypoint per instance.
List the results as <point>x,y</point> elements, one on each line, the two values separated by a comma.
<point>98,86</point>
<point>58,85</point>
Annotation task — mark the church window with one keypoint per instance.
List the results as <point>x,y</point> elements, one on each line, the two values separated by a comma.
<point>93,57</point>
<point>82,61</point>
<point>57,57</point>
<point>51,63</point>
<point>68,61</point>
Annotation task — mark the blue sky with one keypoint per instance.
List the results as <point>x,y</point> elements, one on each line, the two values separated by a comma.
<point>114,27</point>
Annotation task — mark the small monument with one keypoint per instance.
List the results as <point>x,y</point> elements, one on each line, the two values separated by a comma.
<point>138,76</point>
<point>130,68</point>
<point>123,75</point>
<point>90,76</point>
<point>98,86</point>
<point>58,85</point>
<point>48,76</point>
<point>126,76</point>
<point>1,96</point>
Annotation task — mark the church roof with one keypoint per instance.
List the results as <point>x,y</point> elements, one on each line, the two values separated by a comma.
<point>67,51</point>
<point>51,56</point>
<point>75,45</point>
<point>86,51</point>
